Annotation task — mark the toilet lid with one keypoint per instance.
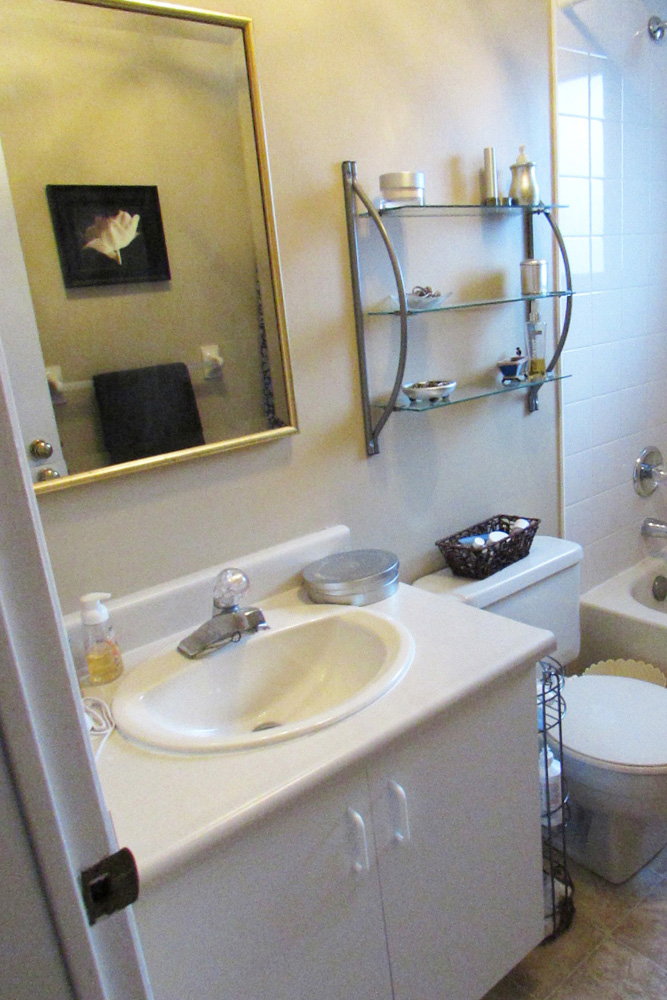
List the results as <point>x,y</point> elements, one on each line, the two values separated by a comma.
<point>616,720</point>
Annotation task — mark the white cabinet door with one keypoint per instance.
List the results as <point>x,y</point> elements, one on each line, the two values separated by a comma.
<point>277,913</point>
<point>463,894</point>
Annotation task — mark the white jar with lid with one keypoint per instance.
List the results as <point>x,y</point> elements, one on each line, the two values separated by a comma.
<point>404,187</point>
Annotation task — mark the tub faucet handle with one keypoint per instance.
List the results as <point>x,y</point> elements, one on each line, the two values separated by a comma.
<point>649,471</point>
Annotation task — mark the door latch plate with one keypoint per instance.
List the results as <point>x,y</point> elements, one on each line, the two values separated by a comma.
<point>110,885</point>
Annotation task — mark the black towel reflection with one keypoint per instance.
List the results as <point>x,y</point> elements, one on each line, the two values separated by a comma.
<point>147,411</point>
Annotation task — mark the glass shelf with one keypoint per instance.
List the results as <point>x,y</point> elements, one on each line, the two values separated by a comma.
<point>413,211</point>
<point>469,392</point>
<point>450,306</point>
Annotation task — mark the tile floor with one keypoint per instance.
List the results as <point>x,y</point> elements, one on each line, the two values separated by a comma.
<point>616,948</point>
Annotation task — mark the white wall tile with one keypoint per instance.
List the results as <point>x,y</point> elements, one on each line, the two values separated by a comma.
<point>606,262</point>
<point>579,253</point>
<point>578,476</point>
<point>618,347</point>
<point>572,91</point>
<point>579,520</point>
<point>636,94</point>
<point>578,364</point>
<point>606,148</point>
<point>573,146</point>
<point>606,316</point>
<point>606,89</point>
<point>577,425</point>
<point>575,193</point>
<point>606,371</point>
<point>580,326</point>
<point>607,467</point>
<point>606,206</point>
<point>605,418</point>
<point>638,316</point>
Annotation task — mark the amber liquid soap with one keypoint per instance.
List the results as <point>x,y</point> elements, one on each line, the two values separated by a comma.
<point>105,663</point>
<point>535,341</point>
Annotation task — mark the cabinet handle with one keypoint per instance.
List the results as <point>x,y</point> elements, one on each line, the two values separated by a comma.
<point>362,863</point>
<point>401,819</point>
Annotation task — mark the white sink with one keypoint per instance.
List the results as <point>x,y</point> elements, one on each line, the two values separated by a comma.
<point>271,686</point>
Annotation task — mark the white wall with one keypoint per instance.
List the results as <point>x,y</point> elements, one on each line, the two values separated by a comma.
<point>410,85</point>
<point>612,139</point>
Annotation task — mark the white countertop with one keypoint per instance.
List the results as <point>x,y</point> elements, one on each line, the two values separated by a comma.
<point>167,807</point>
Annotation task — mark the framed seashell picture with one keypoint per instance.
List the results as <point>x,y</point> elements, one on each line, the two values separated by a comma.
<point>108,235</point>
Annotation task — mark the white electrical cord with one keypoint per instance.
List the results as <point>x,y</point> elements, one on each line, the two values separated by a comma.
<point>100,721</point>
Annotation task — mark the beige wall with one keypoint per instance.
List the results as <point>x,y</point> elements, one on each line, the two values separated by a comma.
<point>409,85</point>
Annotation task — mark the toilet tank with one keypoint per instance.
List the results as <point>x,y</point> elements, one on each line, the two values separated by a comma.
<point>542,589</point>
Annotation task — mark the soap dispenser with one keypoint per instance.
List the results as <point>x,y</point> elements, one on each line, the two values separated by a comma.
<point>103,657</point>
<point>524,189</point>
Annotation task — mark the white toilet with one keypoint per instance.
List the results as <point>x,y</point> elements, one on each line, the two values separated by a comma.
<point>614,728</point>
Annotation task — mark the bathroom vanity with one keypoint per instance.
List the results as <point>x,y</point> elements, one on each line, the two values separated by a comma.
<point>395,853</point>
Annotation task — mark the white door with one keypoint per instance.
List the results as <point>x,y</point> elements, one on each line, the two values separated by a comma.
<point>20,337</point>
<point>43,743</point>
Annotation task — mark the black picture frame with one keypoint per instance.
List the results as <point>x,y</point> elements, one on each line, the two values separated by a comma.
<point>90,221</point>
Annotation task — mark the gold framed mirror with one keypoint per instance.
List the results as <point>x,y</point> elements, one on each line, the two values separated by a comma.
<point>153,349</point>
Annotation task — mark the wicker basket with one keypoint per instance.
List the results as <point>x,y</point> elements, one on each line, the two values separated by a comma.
<point>477,564</point>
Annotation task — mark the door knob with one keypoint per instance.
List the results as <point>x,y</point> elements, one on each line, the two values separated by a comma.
<point>45,475</point>
<point>40,448</point>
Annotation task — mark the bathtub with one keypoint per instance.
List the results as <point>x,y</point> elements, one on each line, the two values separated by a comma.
<point>620,618</point>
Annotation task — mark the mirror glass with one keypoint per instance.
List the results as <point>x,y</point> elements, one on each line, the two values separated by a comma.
<point>137,166</point>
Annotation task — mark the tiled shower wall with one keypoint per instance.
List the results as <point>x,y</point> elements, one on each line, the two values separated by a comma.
<point>612,161</point>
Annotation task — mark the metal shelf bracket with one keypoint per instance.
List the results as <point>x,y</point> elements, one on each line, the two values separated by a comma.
<point>354,190</point>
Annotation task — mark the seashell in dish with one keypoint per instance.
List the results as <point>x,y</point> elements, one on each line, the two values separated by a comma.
<point>109,234</point>
<point>431,391</point>
<point>422,297</point>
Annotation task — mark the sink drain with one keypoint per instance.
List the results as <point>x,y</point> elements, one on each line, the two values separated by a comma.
<point>659,588</point>
<point>265,725</point>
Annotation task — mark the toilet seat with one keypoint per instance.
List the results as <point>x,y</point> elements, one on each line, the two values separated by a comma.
<point>616,722</point>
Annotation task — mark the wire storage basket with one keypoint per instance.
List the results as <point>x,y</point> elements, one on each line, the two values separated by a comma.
<point>464,560</point>
<point>557,883</point>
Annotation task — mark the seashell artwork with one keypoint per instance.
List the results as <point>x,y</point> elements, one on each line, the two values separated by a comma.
<point>107,219</point>
<point>110,234</point>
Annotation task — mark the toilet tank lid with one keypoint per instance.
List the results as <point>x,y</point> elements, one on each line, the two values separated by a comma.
<point>616,721</point>
<point>547,557</point>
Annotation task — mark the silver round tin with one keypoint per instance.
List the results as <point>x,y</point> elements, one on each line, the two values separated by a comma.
<point>362,576</point>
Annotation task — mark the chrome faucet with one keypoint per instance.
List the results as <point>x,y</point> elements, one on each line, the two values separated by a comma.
<point>229,622</point>
<point>653,528</point>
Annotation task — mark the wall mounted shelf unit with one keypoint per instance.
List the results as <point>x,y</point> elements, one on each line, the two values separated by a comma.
<point>353,191</point>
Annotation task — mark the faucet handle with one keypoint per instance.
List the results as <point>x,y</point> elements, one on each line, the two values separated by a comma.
<point>229,586</point>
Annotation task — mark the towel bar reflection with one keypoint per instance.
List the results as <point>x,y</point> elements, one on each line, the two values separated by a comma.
<point>211,367</point>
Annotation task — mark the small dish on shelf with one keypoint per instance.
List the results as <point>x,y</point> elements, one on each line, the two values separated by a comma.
<point>422,298</point>
<point>432,391</point>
